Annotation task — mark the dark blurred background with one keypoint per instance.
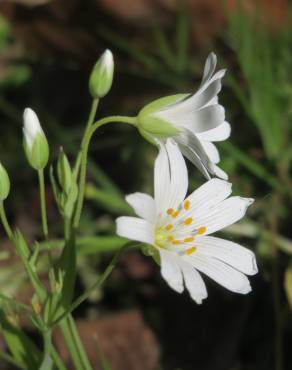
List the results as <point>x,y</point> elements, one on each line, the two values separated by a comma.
<point>47,50</point>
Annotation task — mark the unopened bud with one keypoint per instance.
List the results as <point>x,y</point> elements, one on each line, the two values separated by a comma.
<point>35,143</point>
<point>64,172</point>
<point>101,78</point>
<point>4,183</point>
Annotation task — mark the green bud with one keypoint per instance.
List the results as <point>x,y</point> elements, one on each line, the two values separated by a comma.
<point>4,183</point>
<point>150,124</point>
<point>35,143</point>
<point>64,172</point>
<point>101,78</point>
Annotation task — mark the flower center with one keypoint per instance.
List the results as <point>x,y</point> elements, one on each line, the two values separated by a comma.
<point>171,232</point>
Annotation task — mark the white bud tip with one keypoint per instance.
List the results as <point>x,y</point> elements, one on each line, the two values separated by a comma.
<point>31,126</point>
<point>107,58</point>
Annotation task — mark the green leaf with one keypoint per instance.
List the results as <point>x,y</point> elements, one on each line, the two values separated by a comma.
<point>22,348</point>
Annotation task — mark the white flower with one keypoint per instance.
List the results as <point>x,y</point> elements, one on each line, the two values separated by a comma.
<point>179,227</point>
<point>194,121</point>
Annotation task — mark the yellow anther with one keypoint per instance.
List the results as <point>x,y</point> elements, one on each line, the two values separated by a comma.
<point>170,211</point>
<point>187,205</point>
<point>168,227</point>
<point>201,230</point>
<point>176,242</point>
<point>188,221</point>
<point>170,238</point>
<point>190,250</point>
<point>175,214</point>
<point>189,239</point>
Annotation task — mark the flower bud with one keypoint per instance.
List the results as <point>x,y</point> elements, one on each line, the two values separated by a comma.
<point>35,143</point>
<point>64,172</point>
<point>150,124</point>
<point>101,78</point>
<point>4,183</point>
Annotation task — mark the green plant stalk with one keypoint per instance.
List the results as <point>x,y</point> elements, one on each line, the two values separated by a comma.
<point>47,363</point>
<point>87,138</point>
<point>74,344</point>
<point>98,283</point>
<point>4,221</point>
<point>89,123</point>
<point>43,203</point>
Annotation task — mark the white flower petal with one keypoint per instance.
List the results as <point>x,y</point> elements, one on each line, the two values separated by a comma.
<point>211,150</point>
<point>222,215</point>
<point>208,195</point>
<point>207,94</point>
<point>194,283</point>
<point>219,133</point>
<point>223,274</point>
<point>193,150</point>
<point>143,205</point>
<point>217,171</point>
<point>161,179</point>
<point>204,119</point>
<point>193,157</point>
<point>209,68</point>
<point>135,229</point>
<point>170,270</point>
<point>178,175</point>
<point>242,259</point>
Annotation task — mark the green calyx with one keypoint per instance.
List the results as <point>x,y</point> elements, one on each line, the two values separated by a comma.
<point>38,154</point>
<point>4,183</point>
<point>149,124</point>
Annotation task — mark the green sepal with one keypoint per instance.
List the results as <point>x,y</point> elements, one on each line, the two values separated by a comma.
<point>149,123</point>
<point>38,155</point>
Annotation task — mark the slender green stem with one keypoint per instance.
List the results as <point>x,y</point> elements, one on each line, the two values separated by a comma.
<point>43,203</point>
<point>74,344</point>
<point>86,141</point>
<point>5,221</point>
<point>57,360</point>
<point>98,283</point>
<point>89,123</point>
<point>47,363</point>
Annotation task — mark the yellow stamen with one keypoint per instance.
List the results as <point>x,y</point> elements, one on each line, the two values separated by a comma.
<point>170,211</point>
<point>176,213</point>
<point>168,227</point>
<point>170,238</point>
<point>189,239</point>
<point>176,242</point>
<point>201,230</point>
<point>188,221</point>
<point>190,250</point>
<point>187,205</point>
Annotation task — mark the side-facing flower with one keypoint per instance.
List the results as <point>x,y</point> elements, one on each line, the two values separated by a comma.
<point>35,143</point>
<point>194,121</point>
<point>178,228</point>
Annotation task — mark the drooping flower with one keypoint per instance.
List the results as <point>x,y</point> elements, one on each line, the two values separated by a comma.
<point>193,121</point>
<point>177,228</point>
<point>35,143</point>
